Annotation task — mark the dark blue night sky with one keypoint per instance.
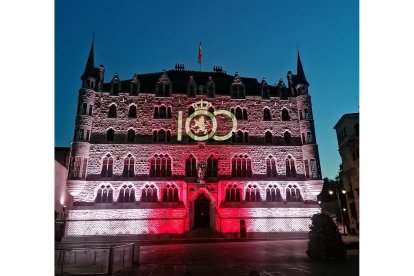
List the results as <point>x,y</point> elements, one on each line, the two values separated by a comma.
<point>255,38</point>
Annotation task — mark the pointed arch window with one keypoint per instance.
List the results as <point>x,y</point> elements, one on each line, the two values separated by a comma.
<point>285,115</point>
<point>293,194</point>
<point>268,137</point>
<point>78,167</point>
<point>287,137</point>
<point>232,193</point>
<point>132,113</point>
<point>110,135</point>
<point>105,194</point>
<point>112,111</point>
<point>266,114</point>
<point>212,166</point>
<point>191,166</point>
<point>107,166</point>
<point>241,166</point>
<point>149,194</point>
<point>271,169</point>
<point>129,165</point>
<point>273,194</point>
<point>160,165</point>
<point>126,194</point>
<point>290,167</point>
<point>253,194</point>
<point>170,193</point>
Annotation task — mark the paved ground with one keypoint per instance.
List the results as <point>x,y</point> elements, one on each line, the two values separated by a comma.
<point>237,258</point>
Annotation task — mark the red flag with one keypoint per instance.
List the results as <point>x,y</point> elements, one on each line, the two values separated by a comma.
<point>200,54</point>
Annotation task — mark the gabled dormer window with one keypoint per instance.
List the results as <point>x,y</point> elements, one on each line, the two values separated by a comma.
<point>211,88</point>
<point>135,85</point>
<point>264,89</point>
<point>163,87</point>
<point>237,88</point>
<point>115,84</point>
<point>191,87</point>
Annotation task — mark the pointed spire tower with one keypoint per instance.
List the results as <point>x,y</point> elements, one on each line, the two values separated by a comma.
<point>300,73</point>
<point>88,77</point>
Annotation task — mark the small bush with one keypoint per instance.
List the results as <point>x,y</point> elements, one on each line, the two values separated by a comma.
<point>325,242</point>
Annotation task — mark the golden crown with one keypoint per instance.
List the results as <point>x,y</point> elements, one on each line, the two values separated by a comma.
<point>201,105</point>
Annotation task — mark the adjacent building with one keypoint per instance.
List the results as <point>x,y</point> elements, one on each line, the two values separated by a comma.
<point>168,152</point>
<point>347,131</point>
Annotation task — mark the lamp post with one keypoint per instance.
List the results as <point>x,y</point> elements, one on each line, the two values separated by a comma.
<point>340,207</point>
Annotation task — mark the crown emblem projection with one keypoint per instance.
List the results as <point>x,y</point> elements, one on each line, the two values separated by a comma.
<point>201,105</point>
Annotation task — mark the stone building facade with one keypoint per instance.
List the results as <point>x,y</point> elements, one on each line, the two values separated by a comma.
<point>347,131</point>
<point>167,152</point>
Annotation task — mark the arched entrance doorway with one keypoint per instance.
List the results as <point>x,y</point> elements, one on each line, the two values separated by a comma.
<point>202,212</point>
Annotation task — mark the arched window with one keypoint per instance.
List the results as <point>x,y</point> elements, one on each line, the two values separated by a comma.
<point>287,137</point>
<point>356,129</point>
<point>241,166</point>
<point>285,115</point>
<point>107,166</point>
<point>132,113</point>
<point>191,166</point>
<point>170,193</point>
<point>241,137</point>
<point>191,110</point>
<point>212,166</point>
<point>131,135</point>
<point>112,111</point>
<point>90,110</point>
<point>161,135</point>
<point>129,164</point>
<point>273,194</point>
<point>239,113</point>
<point>126,194</point>
<point>160,165</point>
<point>268,137</point>
<point>110,134</point>
<point>155,136</point>
<point>163,111</point>
<point>253,194</point>
<point>266,115</point>
<point>232,193</point>
<point>105,194</point>
<point>290,167</point>
<point>244,114</point>
<point>169,112</point>
<point>271,170</point>
<point>293,193</point>
<point>156,112</point>
<point>149,194</point>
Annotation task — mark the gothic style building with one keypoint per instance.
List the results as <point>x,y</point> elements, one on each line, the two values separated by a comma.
<point>164,153</point>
